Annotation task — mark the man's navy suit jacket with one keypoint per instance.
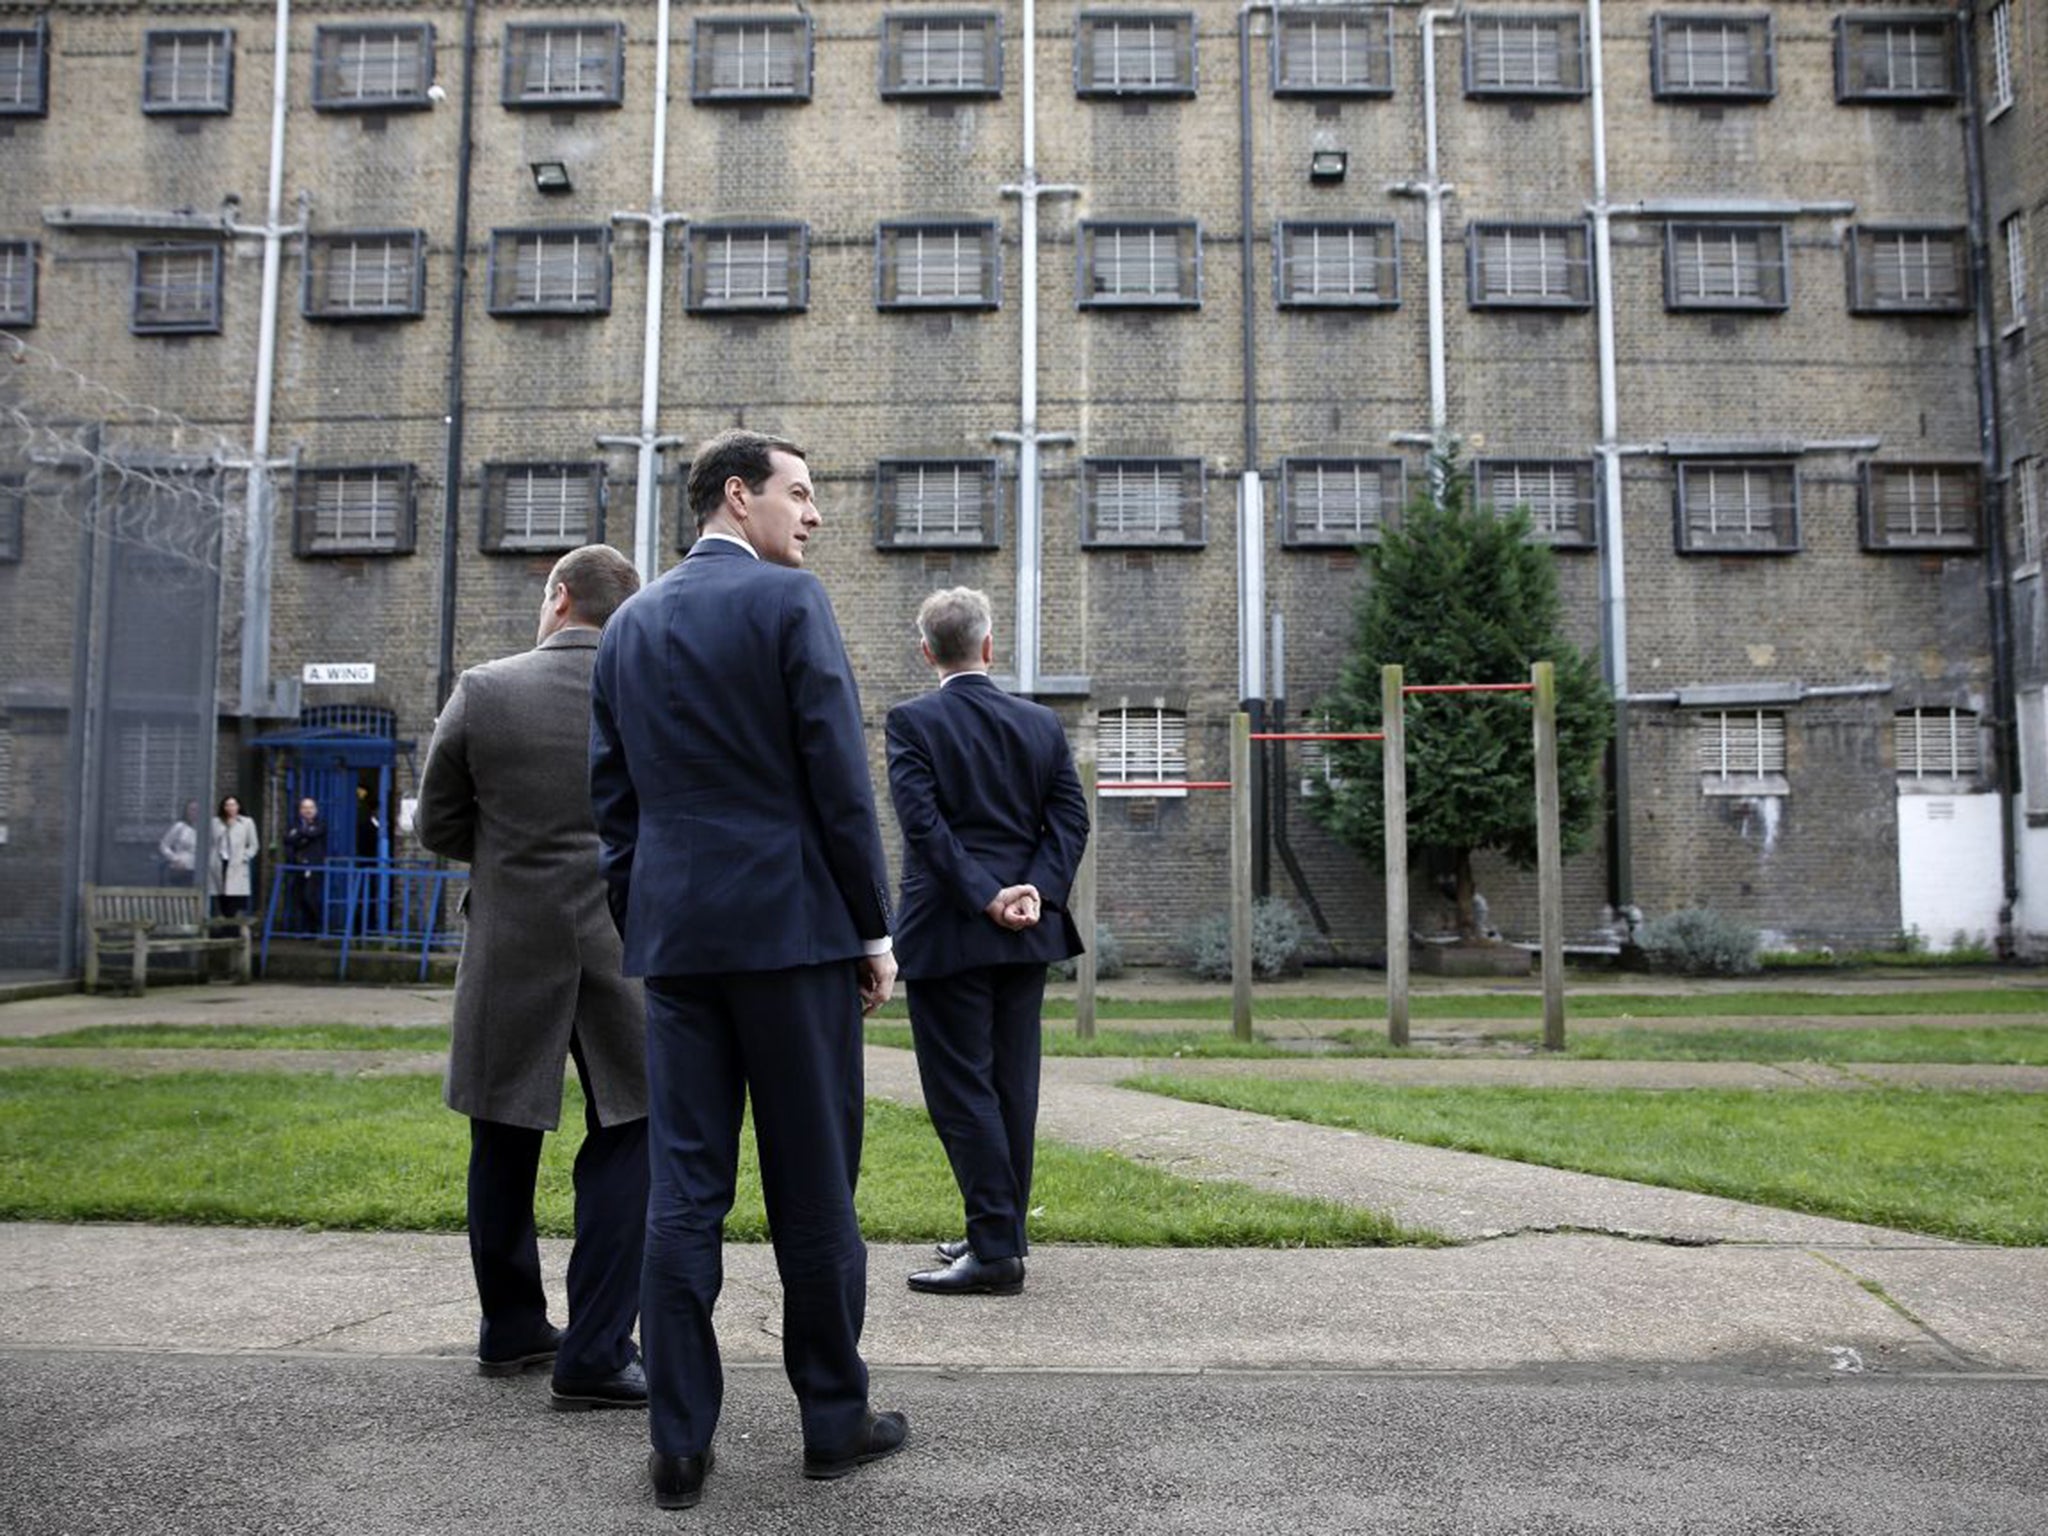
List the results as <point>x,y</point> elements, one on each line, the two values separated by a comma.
<point>987,796</point>
<point>728,775</point>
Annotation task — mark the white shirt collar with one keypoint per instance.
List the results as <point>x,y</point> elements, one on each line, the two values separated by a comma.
<point>731,538</point>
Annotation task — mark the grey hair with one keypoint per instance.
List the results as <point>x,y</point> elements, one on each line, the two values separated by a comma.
<point>953,623</point>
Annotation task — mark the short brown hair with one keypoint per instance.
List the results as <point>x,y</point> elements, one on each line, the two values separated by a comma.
<point>735,451</point>
<point>953,623</point>
<point>598,578</point>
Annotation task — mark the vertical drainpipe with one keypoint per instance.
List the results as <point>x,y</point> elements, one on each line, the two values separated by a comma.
<point>1433,189</point>
<point>1991,447</point>
<point>1251,503</point>
<point>1613,586</point>
<point>451,495</point>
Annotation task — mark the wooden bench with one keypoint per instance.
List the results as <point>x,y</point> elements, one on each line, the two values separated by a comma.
<point>143,920</point>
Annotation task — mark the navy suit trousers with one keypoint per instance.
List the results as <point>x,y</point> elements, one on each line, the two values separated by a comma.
<point>789,1041</point>
<point>976,1035</point>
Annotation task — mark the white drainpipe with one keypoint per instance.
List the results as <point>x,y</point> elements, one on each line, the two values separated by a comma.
<point>1614,618</point>
<point>1432,191</point>
<point>647,442</point>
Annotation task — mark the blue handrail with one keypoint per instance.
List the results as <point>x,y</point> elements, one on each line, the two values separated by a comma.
<point>393,903</point>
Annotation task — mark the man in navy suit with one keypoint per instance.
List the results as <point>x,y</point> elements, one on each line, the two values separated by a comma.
<point>994,822</point>
<point>745,870</point>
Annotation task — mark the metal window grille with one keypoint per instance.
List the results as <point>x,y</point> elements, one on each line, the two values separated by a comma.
<point>1325,49</point>
<point>1741,744</point>
<point>24,71</point>
<point>2013,231</point>
<point>531,507</point>
<point>156,764</point>
<point>1937,744</point>
<point>1558,494</point>
<point>1338,501</point>
<point>358,67</point>
<point>1922,506</point>
<point>2001,56</point>
<point>926,503</point>
<point>2032,719</point>
<point>362,276</point>
<point>559,65</point>
<point>17,282</point>
<point>1134,54</point>
<point>1910,270</point>
<point>177,288</point>
<point>1140,264</point>
<point>13,507</point>
<point>739,60</point>
<point>937,265</point>
<point>1712,56</point>
<point>367,511</point>
<point>1725,266</point>
<point>1340,264</point>
<point>748,267</point>
<point>1894,58</point>
<point>1142,501</point>
<point>2027,475</point>
<point>949,55</point>
<point>188,71</point>
<point>551,271</point>
<point>1539,265</point>
<point>1510,54</point>
<point>1738,507</point>
<point>6,775</point>
<point>1144,746</point>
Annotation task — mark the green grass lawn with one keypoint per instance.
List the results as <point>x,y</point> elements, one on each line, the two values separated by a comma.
<point>305,1150</point>
<point>1997,1045</point>
<point>245,1037</point>
<point>1963,1165</point>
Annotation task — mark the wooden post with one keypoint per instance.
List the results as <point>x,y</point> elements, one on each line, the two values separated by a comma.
<point>1082,898</point>
<point>1549,872</point>
<point>1394,771</point>
<point>1241,875</point>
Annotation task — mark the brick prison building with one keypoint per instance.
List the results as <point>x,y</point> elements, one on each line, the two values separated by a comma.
<point>335,323</point>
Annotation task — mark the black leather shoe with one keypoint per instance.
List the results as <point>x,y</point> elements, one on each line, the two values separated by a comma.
<point>969,1276</point>
<point>953,1248</point>
<point>624,1388</point>
<point>541,1351</point>
<point>678,1480</point>
<point>882,1435</point>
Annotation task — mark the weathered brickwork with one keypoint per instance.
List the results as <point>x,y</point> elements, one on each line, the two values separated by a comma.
<point>857,383</point>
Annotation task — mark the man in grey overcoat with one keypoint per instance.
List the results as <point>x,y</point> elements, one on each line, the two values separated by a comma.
<point>506,788</point>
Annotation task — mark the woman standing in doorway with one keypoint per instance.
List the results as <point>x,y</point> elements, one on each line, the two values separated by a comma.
<point>230,870</point>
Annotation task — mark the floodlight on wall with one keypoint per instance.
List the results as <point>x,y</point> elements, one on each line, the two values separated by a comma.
<point>551,176</point>
<point>1327,164</point>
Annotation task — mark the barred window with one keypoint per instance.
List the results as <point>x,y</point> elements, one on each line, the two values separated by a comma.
<point>1908,271</point>
<point>1723,57</point>
<point>1741,751</point>
<point>2029,479</point>
<point>1730,508</point>
<point>752,59</point>
<point>24,71</point>
<point>17,282</point>
<point>529,508</point>
<point>188,71</point>
<point>564,64</point>
<point>364,275</point>
<point>13,507</point>
<point>1895,56</point>
<point>1725,266</point>
<point>2001,56</point>
<point>564,271</point>
<point>1324,265</point>
<point>1558,494</point>
<point>6,776</point>
<point>1151,264</point>
<point>177,290</point>
<point>932,265</point>
<point>1138,747</point>
<point>1937,744</point>
<point>1529,266</point>
<point>2012,233</point>
<point>1514,53</point>
<point>1141,502</point>
<point>1921,506</point>
<point>951,54</point>
<point>1134,53</point>
<point>2032,719</point>
<point>1333,50</point>
<point>358,510</point>
<point>373,68</point>
<point>748,267</point>
<point>936,503</point>
<point>156,769</point>
<point>1337,502</point>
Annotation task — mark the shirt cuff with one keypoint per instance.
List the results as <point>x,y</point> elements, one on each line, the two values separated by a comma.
<point>873,947</point>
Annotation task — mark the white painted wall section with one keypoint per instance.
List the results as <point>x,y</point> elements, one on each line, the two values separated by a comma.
<point>1949,874</point>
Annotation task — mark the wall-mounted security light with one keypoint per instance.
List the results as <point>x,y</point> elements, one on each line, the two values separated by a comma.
<point>551,176</point>
<point>1327,164</point>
